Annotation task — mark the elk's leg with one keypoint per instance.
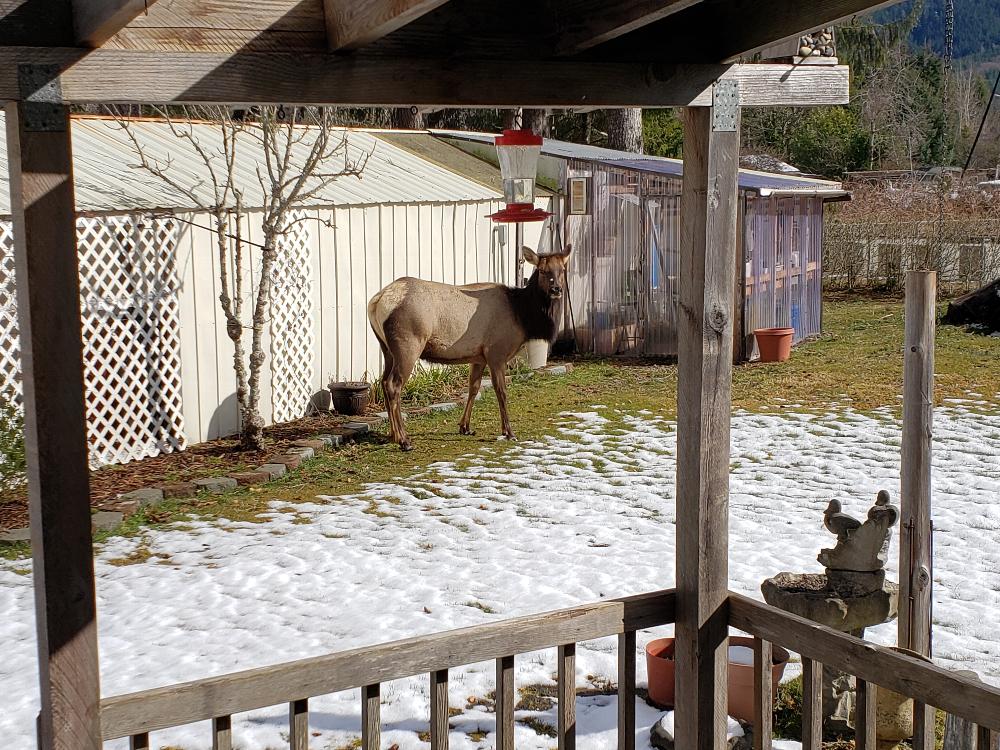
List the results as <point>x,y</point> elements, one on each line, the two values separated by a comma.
<point>498,376</point>
<point>402,367</point>
<point>475,379</point>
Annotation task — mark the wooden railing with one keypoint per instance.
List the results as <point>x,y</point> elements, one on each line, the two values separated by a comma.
<point>293,683</point>
<point>928,685</point>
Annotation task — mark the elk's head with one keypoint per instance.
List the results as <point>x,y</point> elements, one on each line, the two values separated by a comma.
<point>550,270</point>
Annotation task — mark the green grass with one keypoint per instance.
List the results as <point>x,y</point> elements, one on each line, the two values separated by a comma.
<point>857,362</point>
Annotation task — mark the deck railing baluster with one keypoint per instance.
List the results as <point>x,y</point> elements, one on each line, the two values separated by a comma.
<point>567,696</point>
<point>505,703</point>
<point>626,690</point>
<point>763,697</point>
<point>864,722</point>
<point>439,709</point>
<point>986,739</point>
<point>812,704</point>
<point>139,741</point>
<point>371,719</point>
<point>923,726</point>
<point>222,733</point>
<point>298,724</point>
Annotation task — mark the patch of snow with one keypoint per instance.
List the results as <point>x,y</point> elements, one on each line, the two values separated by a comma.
<point>585,514</point>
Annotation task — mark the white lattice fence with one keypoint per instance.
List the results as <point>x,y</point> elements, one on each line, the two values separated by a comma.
<point>131,347</point>
<point>10,352</point>
<point>293,336</point>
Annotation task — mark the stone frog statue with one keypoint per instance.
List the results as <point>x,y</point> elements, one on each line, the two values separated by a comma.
<point>861,547</point>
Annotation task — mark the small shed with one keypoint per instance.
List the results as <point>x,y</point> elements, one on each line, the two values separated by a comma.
<point>621,213</point>
<point>157,358</point>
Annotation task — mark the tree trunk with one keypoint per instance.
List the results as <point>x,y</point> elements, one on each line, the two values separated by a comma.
<point>510,118</point>
<point>625,129</point>
<point>407,118</point>
<point>535,120</point>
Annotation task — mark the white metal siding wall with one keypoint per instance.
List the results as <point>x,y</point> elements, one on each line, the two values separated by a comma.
<point>353,252</point>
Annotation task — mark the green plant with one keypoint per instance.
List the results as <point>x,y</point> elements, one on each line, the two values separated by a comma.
<point>12,459</point>
<point>787,723</point>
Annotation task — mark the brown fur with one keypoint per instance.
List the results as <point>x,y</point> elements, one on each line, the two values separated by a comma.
<point>477,324</point>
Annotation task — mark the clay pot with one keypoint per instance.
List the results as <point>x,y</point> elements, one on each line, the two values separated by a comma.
<point>894,712</point>
<point>774,344</point>
<point>660,670</point>
<point>350,398</point>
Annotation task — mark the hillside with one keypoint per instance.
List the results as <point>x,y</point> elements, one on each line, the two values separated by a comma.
<point>977,28</point>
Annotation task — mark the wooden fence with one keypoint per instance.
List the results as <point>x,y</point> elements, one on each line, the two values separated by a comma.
<point>136,715</point>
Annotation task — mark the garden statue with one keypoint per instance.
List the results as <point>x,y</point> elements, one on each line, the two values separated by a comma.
<point>849,596</point>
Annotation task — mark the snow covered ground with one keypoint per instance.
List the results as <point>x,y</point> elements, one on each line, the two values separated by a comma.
<point>585,514</point>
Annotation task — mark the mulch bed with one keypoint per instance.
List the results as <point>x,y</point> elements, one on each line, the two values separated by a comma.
<point>211,459</point>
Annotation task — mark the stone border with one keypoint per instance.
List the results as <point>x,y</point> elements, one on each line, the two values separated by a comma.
<point>109,515</point>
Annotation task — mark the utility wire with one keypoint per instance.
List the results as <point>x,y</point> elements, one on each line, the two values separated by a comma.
<point>989,103</point>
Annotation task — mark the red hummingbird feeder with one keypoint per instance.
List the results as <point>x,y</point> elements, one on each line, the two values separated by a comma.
<point>518,152</point>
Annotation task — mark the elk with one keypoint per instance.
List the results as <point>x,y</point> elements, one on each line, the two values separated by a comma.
<point>477,324</point>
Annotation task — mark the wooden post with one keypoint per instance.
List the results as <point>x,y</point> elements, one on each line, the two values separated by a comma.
<point>705,359</point>
<point>55,429</point>
<point>915,565</point>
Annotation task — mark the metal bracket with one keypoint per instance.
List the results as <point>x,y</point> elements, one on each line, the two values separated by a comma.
<point>41,98</point>
<point>725,105</point>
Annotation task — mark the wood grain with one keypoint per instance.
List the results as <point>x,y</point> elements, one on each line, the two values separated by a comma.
<point>118,76</point>
<point>864,731</point>
<point>923,726</point>
<point>371,719</point>
<point>96,21</point>
<point>222,733</point>
<point>55,429</point>
<point>626,690</point>
<point>896,671</point>
<point>351,24</point>
<point>174,705</point>
<point>763,696</point>
<point>915,564</point>
<point>298,724</point>
<point>566,730</point>
<point>439,709</point>
<point>586,27</point>
<point>812,704</point>
<point>505,703</point>
<point>704,383</point>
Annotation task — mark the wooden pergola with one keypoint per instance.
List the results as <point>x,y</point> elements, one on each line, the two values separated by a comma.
<point>425,53</point>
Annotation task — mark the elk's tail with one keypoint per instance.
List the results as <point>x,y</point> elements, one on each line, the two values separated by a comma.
<point>375,317</point>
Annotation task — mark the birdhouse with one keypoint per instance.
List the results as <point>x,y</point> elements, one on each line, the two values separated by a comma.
<point>518,152</point>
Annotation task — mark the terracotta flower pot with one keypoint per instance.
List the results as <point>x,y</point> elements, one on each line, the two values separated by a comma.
<point>660,670</point>
<point>774,344</point>
<point>350,398</point>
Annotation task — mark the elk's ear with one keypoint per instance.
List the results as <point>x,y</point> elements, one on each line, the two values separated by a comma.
<point>566,252</point>
<point>529,255</point>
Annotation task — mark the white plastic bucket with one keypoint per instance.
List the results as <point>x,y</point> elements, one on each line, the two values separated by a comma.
<point>537,353</point>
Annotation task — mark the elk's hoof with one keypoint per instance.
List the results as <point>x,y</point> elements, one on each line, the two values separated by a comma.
<point>509,436</point>
<point>406,446</point>
<point>464,430</point>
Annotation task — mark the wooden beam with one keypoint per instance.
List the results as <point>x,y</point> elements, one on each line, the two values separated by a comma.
<point>915,564</point>
<point>739,28</point>
<point>351,24</point>
<point>704,381</point>
<point>907,675</point>
<point>96,21</point>
<point>596,25</point>
<point>129,77</point>
<point>55,428</point>
<point>175,705</point>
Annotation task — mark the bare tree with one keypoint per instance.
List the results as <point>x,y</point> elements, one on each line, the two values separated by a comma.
<point>295,154</point>
<point>625,129</point>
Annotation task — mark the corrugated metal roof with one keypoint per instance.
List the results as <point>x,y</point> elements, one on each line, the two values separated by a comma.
<point>765,183</point>
<point>108,181</point>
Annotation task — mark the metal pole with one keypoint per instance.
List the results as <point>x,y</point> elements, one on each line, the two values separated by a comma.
<point>989,103</point>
